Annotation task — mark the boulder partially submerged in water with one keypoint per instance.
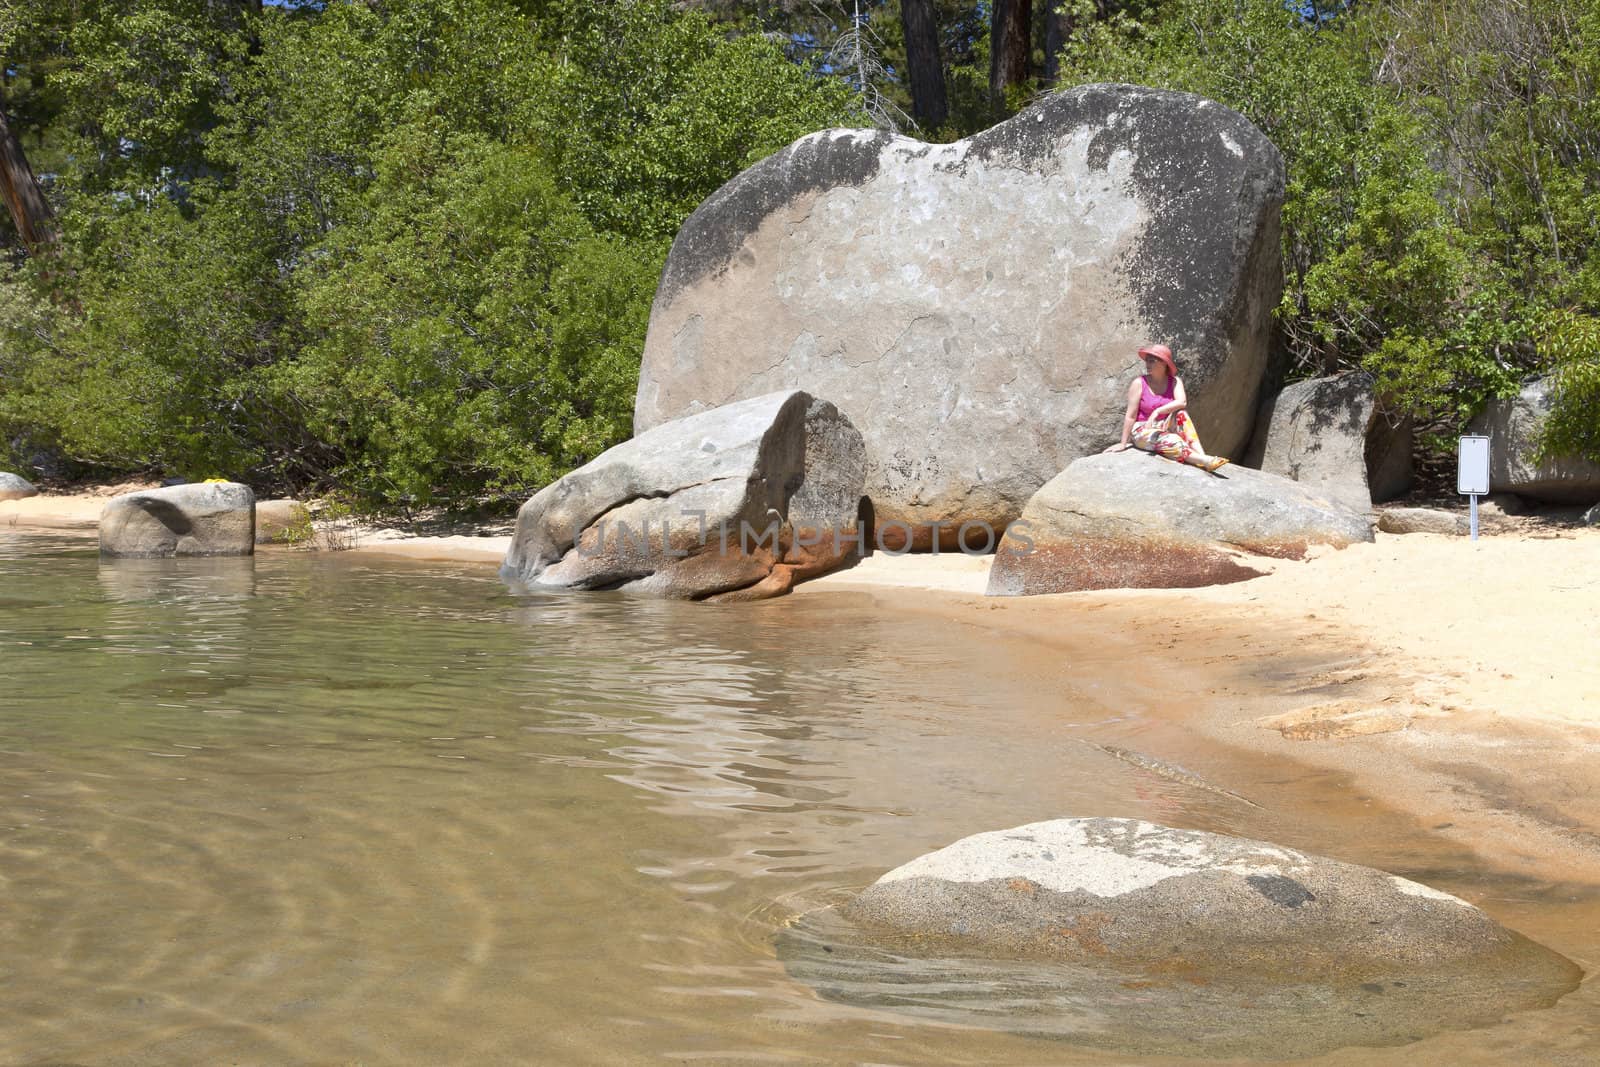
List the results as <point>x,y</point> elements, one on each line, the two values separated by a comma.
<point>205,519</point>
<point>1133,891</point>
<point>1135,520</point>
<point>1127,934</point>
<point>15,486</point>
<point>737,502</point>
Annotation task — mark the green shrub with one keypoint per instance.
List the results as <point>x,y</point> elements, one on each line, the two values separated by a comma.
<point>1571,345</point>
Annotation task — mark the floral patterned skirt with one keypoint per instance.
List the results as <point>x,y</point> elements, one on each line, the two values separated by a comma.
<point>1174,438</point>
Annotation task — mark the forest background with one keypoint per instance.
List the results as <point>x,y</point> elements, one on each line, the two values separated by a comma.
<point>404,251</point>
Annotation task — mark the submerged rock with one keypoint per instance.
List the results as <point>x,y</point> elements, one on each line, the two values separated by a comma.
<point>1151,892</point>
<point>15,487</point>
<point>1125,934</point>
<point>739,502</point>
<point>206,519</point>
<point>1135,520</point>
<point>974,308</point>
<point>1513,427</point>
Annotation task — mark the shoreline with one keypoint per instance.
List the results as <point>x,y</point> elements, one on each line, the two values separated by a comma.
<point>1500,763</point>
<point>1443,677</point>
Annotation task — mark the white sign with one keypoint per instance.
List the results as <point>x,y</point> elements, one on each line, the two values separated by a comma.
<point>1472,467</point>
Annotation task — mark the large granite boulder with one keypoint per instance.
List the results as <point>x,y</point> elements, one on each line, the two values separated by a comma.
<point>1126,934</point>
<point>15,487</point>
<point>204,519</point>
<point>1330,435</point>
<point>1512,426</point>
<point>1135,520</point>
<point>734,503</point>
<point>975,308</point>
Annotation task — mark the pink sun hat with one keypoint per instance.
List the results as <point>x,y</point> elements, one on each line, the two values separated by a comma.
<point>1164,354</point>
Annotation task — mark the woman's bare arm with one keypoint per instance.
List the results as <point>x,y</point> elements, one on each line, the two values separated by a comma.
<point>1179,401</point>
<point>1128,417</point>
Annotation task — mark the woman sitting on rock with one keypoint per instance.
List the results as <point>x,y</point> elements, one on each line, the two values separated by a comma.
<point>1157,419</point>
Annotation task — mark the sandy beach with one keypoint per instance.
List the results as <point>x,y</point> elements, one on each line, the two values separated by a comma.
<point>1453,679</point>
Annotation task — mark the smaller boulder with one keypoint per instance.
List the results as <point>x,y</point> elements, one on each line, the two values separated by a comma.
<point>1592,516</point>
<point>207,519</point>
<point>280,522</point>
<point>1134,520</point>
<point>1423,520</point>
<point>15,487</point>
<point>738,502</point>
<point>1329,434</point>
<point>1512,425</point>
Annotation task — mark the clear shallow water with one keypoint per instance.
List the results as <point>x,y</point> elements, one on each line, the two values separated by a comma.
<point>327,809</point>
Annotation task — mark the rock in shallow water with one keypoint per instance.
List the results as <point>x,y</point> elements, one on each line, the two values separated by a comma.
<point>1125,934</point>
<point>205,519</point>
<point>282,522</point>
<point>737,502</point>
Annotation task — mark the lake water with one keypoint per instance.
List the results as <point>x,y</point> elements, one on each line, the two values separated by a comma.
<point>331,809</point>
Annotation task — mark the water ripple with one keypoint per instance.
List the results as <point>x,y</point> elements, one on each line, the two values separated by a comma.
<point>315,809</point>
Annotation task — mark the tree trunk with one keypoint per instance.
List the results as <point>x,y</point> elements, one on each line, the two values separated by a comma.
<point>1057,28</point>
<point>924,65</point>
<point>30,211</point>
<point>1010,42</point>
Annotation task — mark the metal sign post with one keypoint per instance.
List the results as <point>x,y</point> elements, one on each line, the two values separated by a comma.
<point>1472,472</point>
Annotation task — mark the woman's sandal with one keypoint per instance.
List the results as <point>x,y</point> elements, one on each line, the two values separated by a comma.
<point>1214,465</point>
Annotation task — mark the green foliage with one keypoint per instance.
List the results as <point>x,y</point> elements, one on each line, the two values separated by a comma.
<point>810,29</point>
<point>139,93</point>
<point>644,116</point>
<point>1571,344</point>
<point>1508,91</point>
<point>405,250</point>
<point>156,361</point>
<point>1507,94</point>
<point>27,325</point>
<point>1420,227</point>
<point>1360,220</point>
<point>455,338</point>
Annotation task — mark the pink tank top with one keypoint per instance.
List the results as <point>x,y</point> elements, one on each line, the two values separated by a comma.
<point>1149,399</point>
